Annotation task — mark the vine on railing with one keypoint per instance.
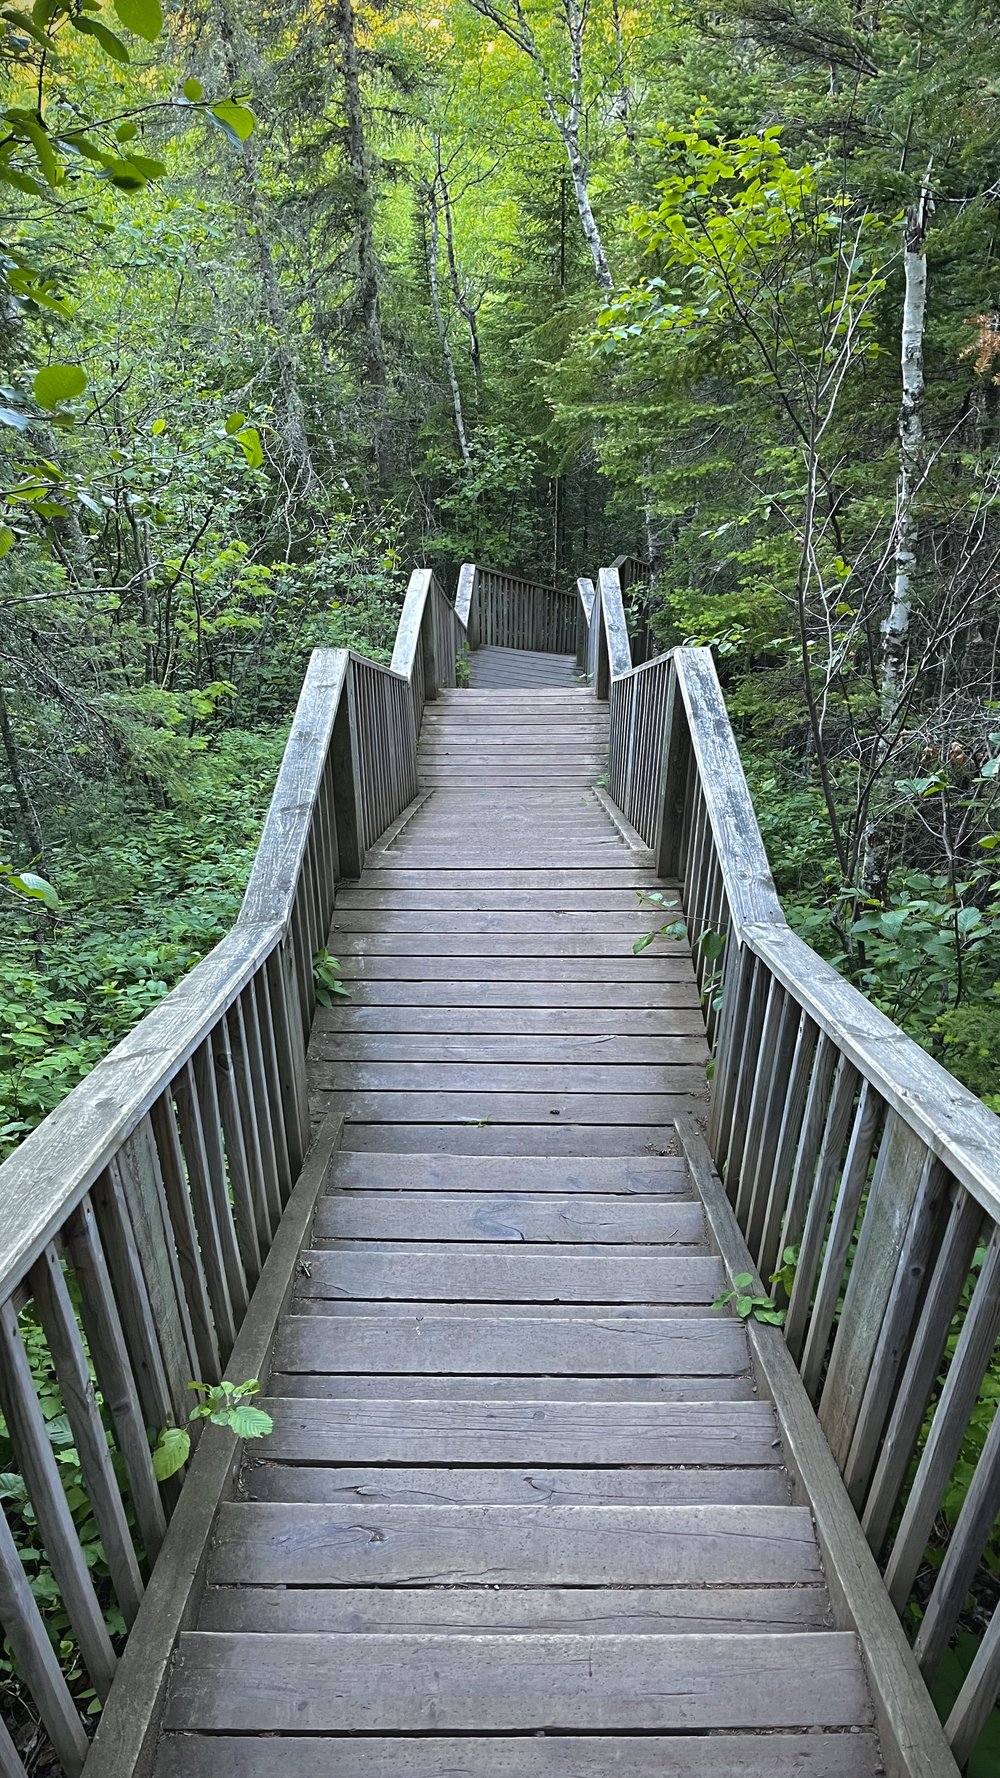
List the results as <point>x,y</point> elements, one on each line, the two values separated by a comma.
<point>847,1152</point>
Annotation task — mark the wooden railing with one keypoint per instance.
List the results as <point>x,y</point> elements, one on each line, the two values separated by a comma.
<point>502,611</point>
<point>135,1220</point>
<point>839,1138</point>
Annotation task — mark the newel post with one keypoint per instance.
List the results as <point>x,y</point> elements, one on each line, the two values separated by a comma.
<point>345,765</point>
<point>672,788</point>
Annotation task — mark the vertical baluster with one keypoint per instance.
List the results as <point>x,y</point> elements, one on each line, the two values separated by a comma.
<point>135,1176</point>
<point>210,1131</point>
<point>947,1281</point>
<point>786,1147</point>
<point>116,1379</point>
<point>237,1165</point>
<point>823,1132</point>
<point>180,1207</point>
<point>256,1134</point>
<point>146,1361</point>
<point>867,1122</point>
<point>760,1090</point>
<point>746,1074</point>
<point>36,1659</point>
<point>978,1695</point>
<point>739,969</point>
<point>291,1053</point>
<point>37,1464</point>
<point>55,1311</point>
<point>958,1397</point>
<point>920,1241</point>
<point>895,1186</point>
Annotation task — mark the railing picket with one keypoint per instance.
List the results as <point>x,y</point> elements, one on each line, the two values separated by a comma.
<point>135,1173</point>
<point>209,1197</point>
<point>976,1519</point>
<point>180,1207</point>
<point>11,1763</point>
<point>787,1145</point>
<point>37,1464</point>
<point>823,1132</point>
<point>975,1347</point>
<point>977,1696</point>
<point>737,982</point>
<point>251,1124</point>
<point>919,1243</point>
<point>853,1178</point>
<point>113,1369</point>
<point>36,1659</point>
<point>896,1185</point>
<point>760,1088</point>
<point>55,1311</point>
<point>948,1277</point>
<point>259,1096</point>
<point>132,1296</point>
<point>245,1211</point>
<point>746,1075</point>
<point>763,1149</point>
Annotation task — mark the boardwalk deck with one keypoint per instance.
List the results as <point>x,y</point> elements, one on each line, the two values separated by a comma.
<point>524,1513</point>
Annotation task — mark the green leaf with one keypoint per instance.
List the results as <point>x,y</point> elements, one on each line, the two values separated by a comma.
<point>172,1450</point>
<point>6,540</point>
<point>111,45</point>
<point>157,427</point>
<point>744,1304</point>
<point>25,23</point>
<point>234,422</point>
<point>248,1422</point>
<point>235,121</point>
<point>27,126</point>
<point>126,132</point>
<point>742,1278</point>
<point>249,442</point>
<point>643,943</point>
<point>36,887</point>
<point>143,17</point>
<point>193,90</point>
<point>57,383</point>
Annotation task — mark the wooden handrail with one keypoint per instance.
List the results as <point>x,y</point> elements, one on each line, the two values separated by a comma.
<point>160,1181</point>
<point>839,1140</point>
<point>503,610</point>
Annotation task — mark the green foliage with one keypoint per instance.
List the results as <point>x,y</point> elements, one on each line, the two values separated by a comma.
<point>224,1404</point>
<point>747,1305</point>
<point>326,979</point>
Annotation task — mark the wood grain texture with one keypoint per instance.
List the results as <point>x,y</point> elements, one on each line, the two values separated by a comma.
<point>277,1545</point>
<point>831,1755</point>
<point>512,1486</point>
<point>615,1174</point>
<point>702,1346</point>
<point>368,1683</point>
<point>503,1277</point>
<point>582,1434</point>
<point>513,1217</point>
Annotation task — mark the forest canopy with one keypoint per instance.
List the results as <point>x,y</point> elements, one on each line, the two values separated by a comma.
<point>294,297</point>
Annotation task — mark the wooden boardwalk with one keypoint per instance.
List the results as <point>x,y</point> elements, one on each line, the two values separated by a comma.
<point>524,1513</point>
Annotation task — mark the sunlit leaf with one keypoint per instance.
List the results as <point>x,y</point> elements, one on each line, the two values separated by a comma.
<point>143,17</point>
<point>235,121</point>
<point>57,383</point>
<point>111,45</point>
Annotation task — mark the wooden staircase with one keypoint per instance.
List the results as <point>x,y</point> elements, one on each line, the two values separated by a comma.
<point>523,1512</point>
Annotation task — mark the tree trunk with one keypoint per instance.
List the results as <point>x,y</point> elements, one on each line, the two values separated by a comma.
<point>29,820</point>
<point>465,308</point>
<point>241,60</point>
<point>359,165</point>
<point>896,628</point>
<point>431,241</point>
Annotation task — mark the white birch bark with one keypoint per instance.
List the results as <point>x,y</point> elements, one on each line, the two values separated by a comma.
<point>433,236</point>
<point>896,628</point>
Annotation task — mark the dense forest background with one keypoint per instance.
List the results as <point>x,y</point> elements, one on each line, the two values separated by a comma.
<point>294,297</point>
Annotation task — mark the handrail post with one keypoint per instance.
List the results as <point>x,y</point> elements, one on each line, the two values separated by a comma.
<point>345,767</point>
<point>467,601</point>
<point>673,781</point>
<point>428,644</point>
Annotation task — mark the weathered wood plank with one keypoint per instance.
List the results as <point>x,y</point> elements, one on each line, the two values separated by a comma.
<point>606,1049</point>
<point>509,1277</point>
<point>363,1015</point>
<point>224,1682</point>
<point>695,1347</point>
<point>828,1755</point>
<point>490,1173</point>
<point>578,1433</point>
<point>278,1545</point>
<point>448,1078</point>
<point>389,1386</point>
<point>598,1610</point>
<point>511,1217</point>
<point>563,1486</point>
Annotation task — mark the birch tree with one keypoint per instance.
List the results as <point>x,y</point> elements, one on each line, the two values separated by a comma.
<point>896,627</point>
<point>562,91</point>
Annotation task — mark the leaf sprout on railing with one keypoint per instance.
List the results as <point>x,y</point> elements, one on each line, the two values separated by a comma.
<point>712,943</point>
<point>326,979</point>
<point>224,1404</point>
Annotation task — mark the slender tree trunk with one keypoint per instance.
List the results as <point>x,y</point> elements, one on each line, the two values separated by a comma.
<point>896,628</point>
<point>29,820</point>
<point>241,60</point>
<point>465,308</point>
<point>359,165</point>
<point>431,240</point>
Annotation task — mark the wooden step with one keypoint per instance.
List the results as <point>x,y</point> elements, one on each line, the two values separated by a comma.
<point>391,1387</point>
<point>831,1755</point>
<point>369,1683</point>
<point>618,1174</point>
<point>579,1434</point>
<point>265,1479</point>
<point>510,1610</point>
<point>496,1347</point>
<point>274,1544</point>
<point>502,1277</point>
<point>515,1217</point>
